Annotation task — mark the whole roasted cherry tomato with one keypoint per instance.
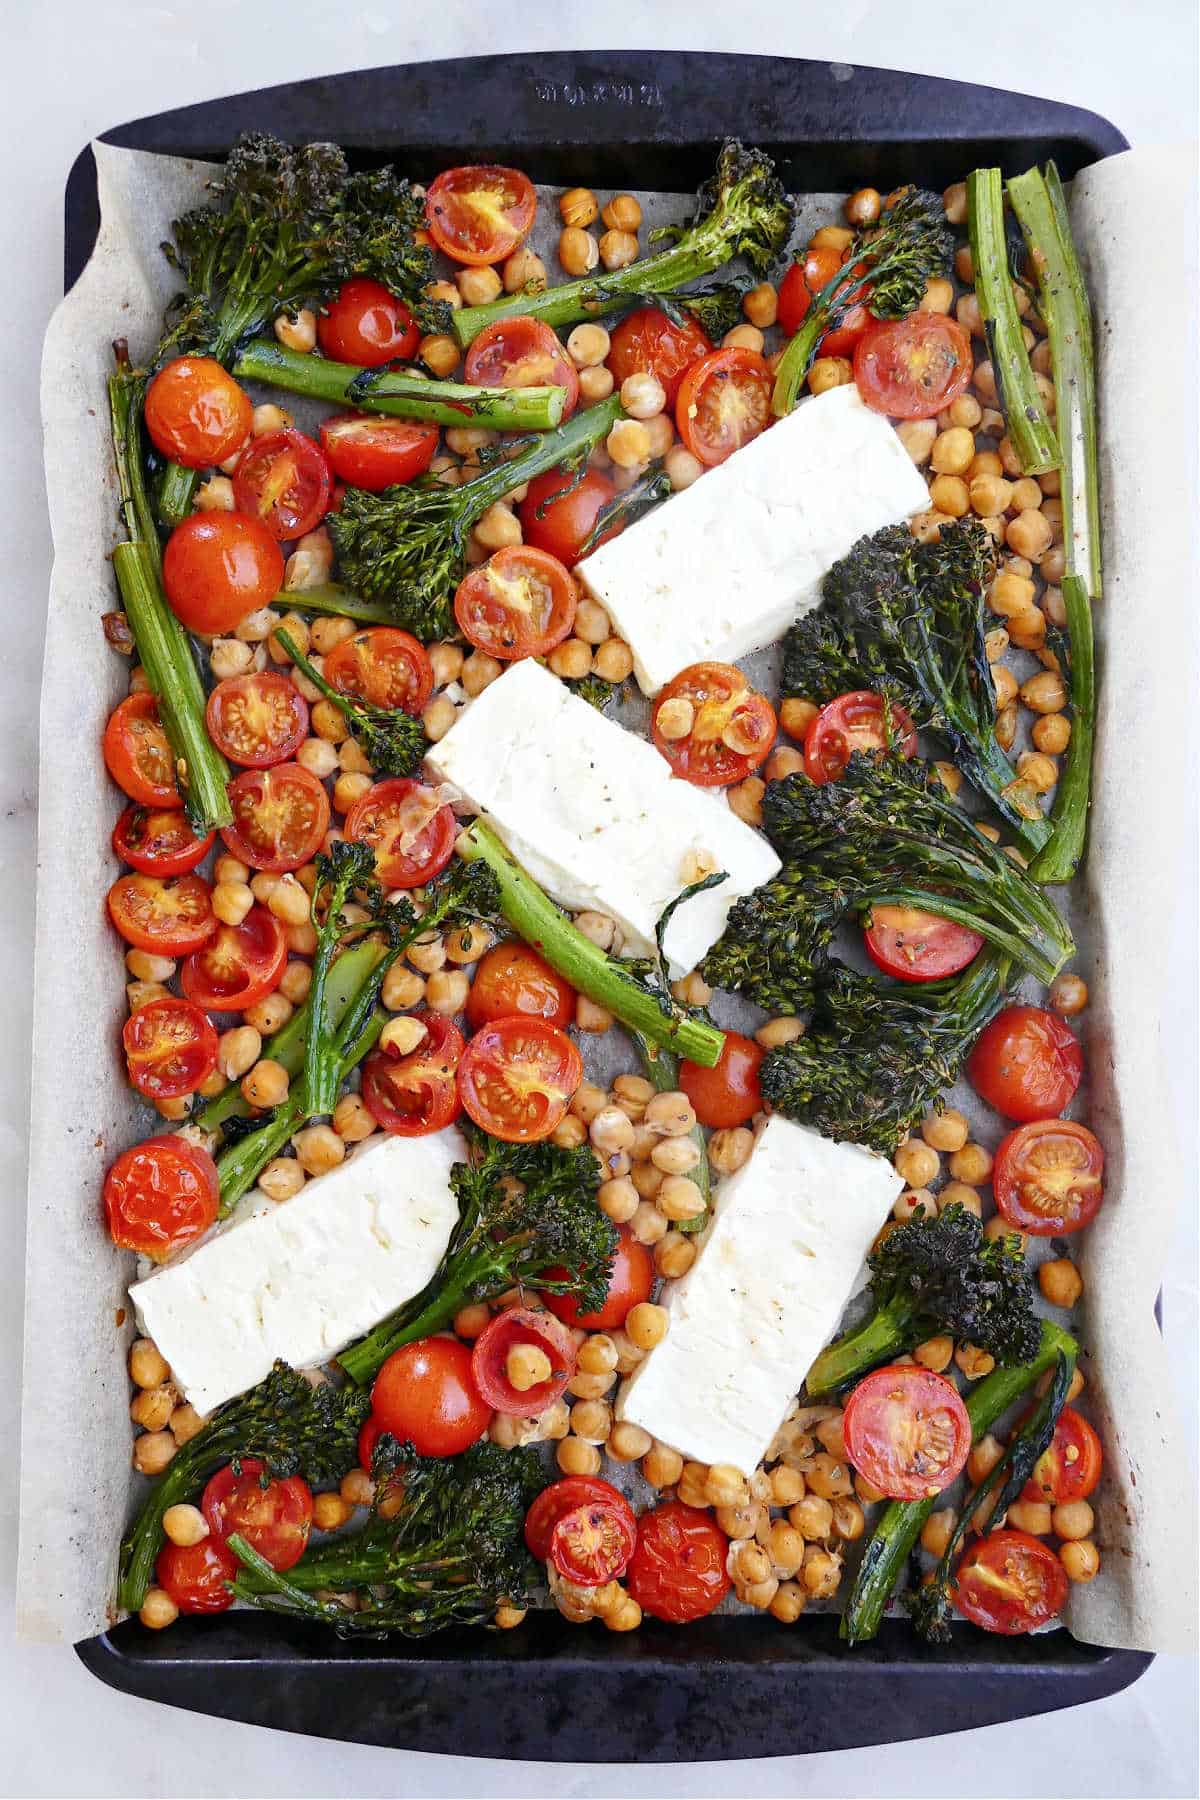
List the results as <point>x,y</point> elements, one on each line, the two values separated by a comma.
<point>161,1195</point>
<point>280,817</point>
<point>517,1077</point>
<point>803,281</point>
<point>728,1093</point>
<point>274,1517</point>
<point>425,1395</point>
<point>415,1094</point>
<point>366,324</point>
<point>480,212</point>
<point>239,966</point>
<point>170,1047</point>
<point>648,342</point>
<point>631,1282</point>
<point>410,830</point>
<point>855,722</point>
<point>918,946</point>
<point>196,413</point>
<point>218,567</point>
<point>257,720</point>
<point>711,725</point>
<point>521,1331</point>
<point>197,1576</point>
<point>167,915</point>
<point>1009,1582</point>
<point>724,402</point>
<point>511,978</point>
<point>560,511</point>
<point>137,754</point>
<point>383,665</point>
<point>907,1431</point>
<point>159,842</point>
<point>1026,1063</point>
<point>1069,1468</point>
<point>1048,1177</point>
<point>678,1569</point>
<point>367,451</point>
<point>520,602</point>
<point>283,480</point>
<point>522,352</point>
<point>913,368</point>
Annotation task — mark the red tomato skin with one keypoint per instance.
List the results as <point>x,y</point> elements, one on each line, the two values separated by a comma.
<point>525,346</point>
<point>737,368</point>
<point>501,1044</point>
<point>853,722</point>
<point>1058,1478</point>
<point>498,629</point>
<point>728,1093</point>
<point>436,1059</point>
<point>136,751</point>
<point>1009,1179</point>
<point>218,568</point>
<point>647,341</point>
<point>864,1421</point>
<point>372,452</point>
<point>631,1282</point>
<point>563,1497</point>
<point>367,325</point>
<point>719,693</point>
<point>281,1539</point>
<point>257,948</point>
<point>196,1042</point>
<point>562,526</point>
<point>512,978</point>
<point>593,1543</point>
<point>195,1575</point>
<point>444,213</point>
<point>132,906</point>
<point>946,947</point>
<point>802,282</point>
<point>677,1572</point>
<point>195,412</point>
<point>425,1394</point>
<point>885,343</point>
<point>994,1612</point>
<point>520,1325</point>
<point>254,787</point>
<point>384,665</point>
<point>238,693</point>
<point>159,841</point>
<point>254,472</point>
<point>1026,1064</point>
<point>430,851</point>
<point>161,1195</point>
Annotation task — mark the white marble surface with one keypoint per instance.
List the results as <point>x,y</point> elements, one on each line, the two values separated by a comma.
<point>75,67</point>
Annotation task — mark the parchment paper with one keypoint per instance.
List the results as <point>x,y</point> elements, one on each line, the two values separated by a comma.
<point>77,1487</point>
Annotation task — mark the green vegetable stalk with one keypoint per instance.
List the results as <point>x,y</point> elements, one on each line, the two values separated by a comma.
<point>392,740</point>
<point>1029,429</point>
<point>330,597</point>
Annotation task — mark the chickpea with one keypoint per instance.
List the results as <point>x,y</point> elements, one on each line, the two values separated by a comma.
<point>1068,995</point>
<point>918,437</point>
<point>281,1178</point>
<point>1060,1282</point>
<point>642,396</point>
<point>960,1193</point>
<point>591,1420</point>
<point>1032,1516</point>
<point>829,372</point>
<point>147,1366</point>
<point>863,206</point>
<point>867,1492</point>
<point>1037,771</point>
<point>575,1457</point>
<point>569,1133</point>
<point>761,305</point>
<point>578,251</point>
<point>440,354</point>
<point>782,762</point>
<point>937,1531</point>
<point>916,1163</point>
<point>438,717</point>
<point>914,1203</point>
<point>953,452</point>
<point>152,1407</point>
<point>662,1466</point>
<point>729,1149</point>
<point>626,1616</point>
<point>849,1520</point>
<point>1051,733</point>
<point>1080,1559</point>
<point>646,1324</point>
<point>935,1353</point>
<point>1073,1520</point>
<point>628,443</point>
<point>523,272</point>
<point>745,799</point>
<point>618,249</point>
<point>185,1423</point>
<point>828,1477</point>
<point>318,1149</point>
<point>402,988</point>
<point>268,1014</point>
<point>954,203</point>
<point>679,1199</point>
<point>185,1525</point>
<point>158,1610</point>
<point>671,1114</point>
<point>595,384</point>
<point>611,1130</point>
<point>266,1085</point>
<point>692,990</point>
<point>1010,595</point>
<point>682,468</point>
<point>153,1451</point>
<point>289,903</point>
<point>622,213</point>
<point>1029,534</point>
<point>777,1032</point>
<point>822,1572</point>
<point>613,661</point>
<point>1044,693</point>
<point>744,337</point>
<point>973,1362</point>
<point>831,237</point>
<point>478,286</point>
<point>938,296</point>
<point>578,206</point>
<point>945,1130</point>
<point>926,526</point>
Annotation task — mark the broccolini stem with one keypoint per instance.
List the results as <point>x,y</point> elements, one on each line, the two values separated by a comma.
<point>899,1527</point>
<point>330,597</point>
<point>567,441</point>
<point>839,294</point>
<point>535,917</point>
<point>399,393</point>
<point>1029,429</point>
<point>884,1335</point>
<point>1061,857</point>
<point>662,1068</point>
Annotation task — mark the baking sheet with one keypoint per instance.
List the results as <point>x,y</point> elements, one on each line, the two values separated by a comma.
<point>74,1495</point>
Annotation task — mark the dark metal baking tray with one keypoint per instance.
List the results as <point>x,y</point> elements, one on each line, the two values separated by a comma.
<point>728,1687</point>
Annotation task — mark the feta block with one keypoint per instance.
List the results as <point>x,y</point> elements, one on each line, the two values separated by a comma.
<point>594,814</point>
<point>725,567</point>
<point>776,1267</point>
<point>302,1279</point>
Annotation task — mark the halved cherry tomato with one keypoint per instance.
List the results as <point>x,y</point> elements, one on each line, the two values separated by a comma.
<point>413,1095</point>
<point>169,915</point>
<point>280,816</point>
<point>854,722</point>
<point>802,282</point>
<point>366,324</point>
<point>733,725</point>
<point>240,965</point>
<point>274,1517</point>
<point>159,842</point>
<point>425,1395</point>
<point>375,453</point>
<point>161,1195</point>
<point>678,1569</point>
<point>511,978</point>
<point>517,1076</point>
<point>218,567</point>
<point>479,213</point>
<point>197,1576</point>
<point>384,665</point>
<point>170,1046</point>
<point>410,830</point>
<point>1048,1177</point>
<point>562,1497</point>
<point>257,720</point>
<point>724,401</point>
<point>1069,1467</point>
<point>648,342</point>
<point>518,1326</point>
<point>520,602</point>
<point>593,1543</point>
<point>522,352</point>
<point>907,1431</point>
<point>728,1093</point>
<point>137,754</point>
<point>630,1283</point>
<point>1026,1063</point>
<point>196,413</point>
<point>1010,1582</point>
<point>283,480</point>
<point>913,368</point>
<point>560,510</point>
<point>918,946</point>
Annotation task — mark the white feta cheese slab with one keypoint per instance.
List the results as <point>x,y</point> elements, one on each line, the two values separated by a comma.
<point>725,567</point>
<point>777,1265</point>
<point>302,1279</point>
<point>594,814</point>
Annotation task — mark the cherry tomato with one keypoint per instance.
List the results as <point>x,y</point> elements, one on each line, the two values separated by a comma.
<point>159,842</point>
<point>411,832</point>
<point>425,1395</point>
<point>161,1195</point>
<point>733,725</point>
<point>907,1431</point>
<point>854,722</point>
<point>167,915</point>
<point>1026,1063</point>
<point>196,413</point>
<point>1010,1582</point>
<point>365,324</point>
<point>370,452</point>
<point>368,1437</point>
<point>479,213</point>
<point>517,1076</point>
<point>522,352</point>
<point>593,1543</point>
<point>137,754</point>
<point>196,1576</point>
<point>1048,1177</point>
<point>724,401</point>
<point>219,567</point>
<point>678,1569</point>
<point>274,1517</point>
<point>728,1093</point>
<point>511,978</point>
<point>170,1046</point>
<point>802,282</point>
<point>630,1283</point>
<point>283,481</point>
<point>383,665</point>
<point>562,1497</point>
<point>413,1095</point>
<point>240,965</point>
<point>913,368</point>
<point>1069,1467</point>
<point>518,1326</point>
<point>560,510</point>
<point>918,946</point>
<point>257,720</point>
<point>520,602</point>
<point>648,342</point>
<point>280,817</point>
